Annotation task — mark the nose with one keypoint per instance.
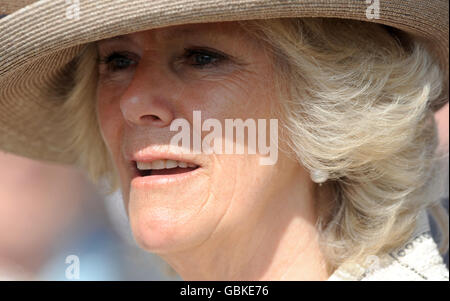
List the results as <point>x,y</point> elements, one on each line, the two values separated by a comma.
<point>148,99</point>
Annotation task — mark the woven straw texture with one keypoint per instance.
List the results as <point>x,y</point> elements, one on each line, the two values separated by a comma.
<point>38,41</point>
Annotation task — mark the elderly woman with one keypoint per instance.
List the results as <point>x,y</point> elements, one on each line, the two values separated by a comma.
<point>108,85</point>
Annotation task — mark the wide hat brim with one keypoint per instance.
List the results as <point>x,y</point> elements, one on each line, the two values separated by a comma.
<point>38,41</point>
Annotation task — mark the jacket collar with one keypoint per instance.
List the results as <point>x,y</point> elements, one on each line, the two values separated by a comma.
<point>417,259</point>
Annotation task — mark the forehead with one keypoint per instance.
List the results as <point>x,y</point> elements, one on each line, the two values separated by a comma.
<point>212,30</point>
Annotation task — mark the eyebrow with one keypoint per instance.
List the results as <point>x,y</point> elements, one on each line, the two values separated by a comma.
<point>177,33</point>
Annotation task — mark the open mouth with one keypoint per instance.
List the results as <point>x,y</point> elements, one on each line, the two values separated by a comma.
<point>164,167</point>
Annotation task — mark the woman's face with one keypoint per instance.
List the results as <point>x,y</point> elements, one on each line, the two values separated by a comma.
<point>149,79</point>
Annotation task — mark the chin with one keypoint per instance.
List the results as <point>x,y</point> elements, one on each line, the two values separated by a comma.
<point>162,236</point>
<point>165,222</point>
<point>154,236</point>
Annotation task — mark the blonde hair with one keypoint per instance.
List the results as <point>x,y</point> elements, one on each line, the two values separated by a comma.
<point>357,105</point>
<point>355,102</point>
<point>81,123</point>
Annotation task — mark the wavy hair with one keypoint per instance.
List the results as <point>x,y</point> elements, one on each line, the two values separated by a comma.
<point>355,102</point>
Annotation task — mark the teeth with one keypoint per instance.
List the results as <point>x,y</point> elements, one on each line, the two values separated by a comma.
<point>144,165</point>
<point>182,164</point>
<point>171,164</point>
<point>158,164</point>
<point>162,164</point>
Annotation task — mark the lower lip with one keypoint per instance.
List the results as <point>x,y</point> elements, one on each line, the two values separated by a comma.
<point>162,180</point>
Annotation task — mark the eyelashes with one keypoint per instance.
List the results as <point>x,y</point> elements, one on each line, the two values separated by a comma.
<point>117,61</point>
<point>199,58</point>
<point>202,58</point>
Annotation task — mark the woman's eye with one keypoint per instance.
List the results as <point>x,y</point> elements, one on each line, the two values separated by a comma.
<point>203,58</point>
<point>117,61</point>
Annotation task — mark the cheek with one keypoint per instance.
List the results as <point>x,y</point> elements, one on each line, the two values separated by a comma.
<point>110,122</point>
<point>244,95</point>
<point>239,96</point>
<point>109,117</point>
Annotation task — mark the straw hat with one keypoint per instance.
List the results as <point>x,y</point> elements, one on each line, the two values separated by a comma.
<point>38,39</point>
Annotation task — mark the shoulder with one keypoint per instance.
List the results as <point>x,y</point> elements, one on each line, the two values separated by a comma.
<point>417,259</point>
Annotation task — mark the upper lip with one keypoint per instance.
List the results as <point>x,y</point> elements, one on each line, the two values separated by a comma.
<point>150,155</point>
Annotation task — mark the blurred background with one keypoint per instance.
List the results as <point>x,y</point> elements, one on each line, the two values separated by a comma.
<point>442,119</point>
<point>50,212</point>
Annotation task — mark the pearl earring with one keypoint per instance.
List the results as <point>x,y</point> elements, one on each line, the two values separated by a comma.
<point>319,176</point>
